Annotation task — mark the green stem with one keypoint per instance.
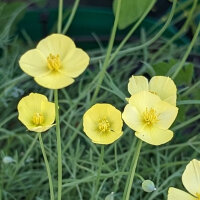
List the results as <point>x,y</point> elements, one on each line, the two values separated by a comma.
<point>47,167</point>
<point>187,52</point>
<point>183,124</point>
<point>100,163</point>
<point>187,92</point>
<point>108,53</point>
<point>58,145</point>
<point>131,174</point>
<point>149,42</point>
<point>132,30</point>
<point>60,10</point>
<point>177,35</point>
<point>71,17</point>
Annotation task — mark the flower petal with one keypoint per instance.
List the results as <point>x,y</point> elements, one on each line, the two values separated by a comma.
<point>40,129</point>
<point>54,80</point>
<point>107,138</point>
<point>191,177</point>
<point>143,100</point>
<point>164,87</point>
<point>75,64</point>
<point>166,114</point>
<point>34,63</point>
<point>155,136</point>
<point>48,111</point>
<point>56,44</point>
<point>137,84</point>
<point>176,194</point>
<point>132,118</point>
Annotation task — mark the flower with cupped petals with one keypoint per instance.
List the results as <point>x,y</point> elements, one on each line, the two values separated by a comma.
<point>150,117</point>
<point>191,181</point>
<point>103,123</point>
<point>36,112</point>
<point>163,86</point>
<point>55,62</point>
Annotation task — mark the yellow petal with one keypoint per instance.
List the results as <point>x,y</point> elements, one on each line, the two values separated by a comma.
<point>107,138</point>
<point>166,114</point>
<point>54,80</point>
<point>191,177</point>
<point>34,104</point>
<point>176,194</point>
<point>143,100</point>
<point>75,64</point>
<point>155,136</point>
<point>56,44</point>
<point>132,118</point>
<point>34,63</point>
<point>48,110</point>
<point>137,84</point>
<point>93,117</point>
<point>164,87</point>
<point>40,129</point>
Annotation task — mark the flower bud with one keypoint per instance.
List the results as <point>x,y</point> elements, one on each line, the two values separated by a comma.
<point>148,186</point>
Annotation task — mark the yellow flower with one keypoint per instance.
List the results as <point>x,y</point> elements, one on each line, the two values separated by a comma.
<point>103,123</point>
<point>163,86</point>
<point>36,112</point>
<point>55,62</point>
<point>150,117</point>
<point>191,181</point>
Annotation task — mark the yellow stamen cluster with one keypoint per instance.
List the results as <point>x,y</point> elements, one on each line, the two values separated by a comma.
<point>150,116</point>
<point>54,62</point>
<point>37,119</point>
<point>104,125</point>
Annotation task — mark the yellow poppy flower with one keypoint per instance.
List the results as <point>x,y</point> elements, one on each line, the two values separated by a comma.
<point>150,117</point>
<point>163,86</point>
<point>191,181</point>
<point>103,123</point>
<point>36,112</point>
<point>55,62</point>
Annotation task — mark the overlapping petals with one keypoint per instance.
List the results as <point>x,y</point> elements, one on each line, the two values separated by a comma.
<point>163,86</point>
<point>36,112</point>
<point>150,117</point>
<point>191,181</point>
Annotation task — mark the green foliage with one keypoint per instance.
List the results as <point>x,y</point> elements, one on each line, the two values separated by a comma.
<point>163,164</point>
<point>130,11</point>
<point>167,68</point>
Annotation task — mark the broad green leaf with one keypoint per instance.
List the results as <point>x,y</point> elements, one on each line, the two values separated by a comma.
<point>167,68</point>
<point>130,11</point>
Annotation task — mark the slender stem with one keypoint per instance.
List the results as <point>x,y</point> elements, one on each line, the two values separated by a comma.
<point>100,163</point>
<point>71,17</point>
<point>132,30</point>
<point>177,35</point>
<point>60,10</point>
<point>187,52</point>
<point>58,146</point>
<point>25,156</point>
<point>47,167</point>
<point>149,42</point>
<point>131,174</point>
<point>108,53</point>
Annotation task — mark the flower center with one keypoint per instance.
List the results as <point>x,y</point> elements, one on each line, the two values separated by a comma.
<point>150,116</point>
<point>104,125</point>
<point>53,62</point>
<point>37,119</point>
<point>153,92</point>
